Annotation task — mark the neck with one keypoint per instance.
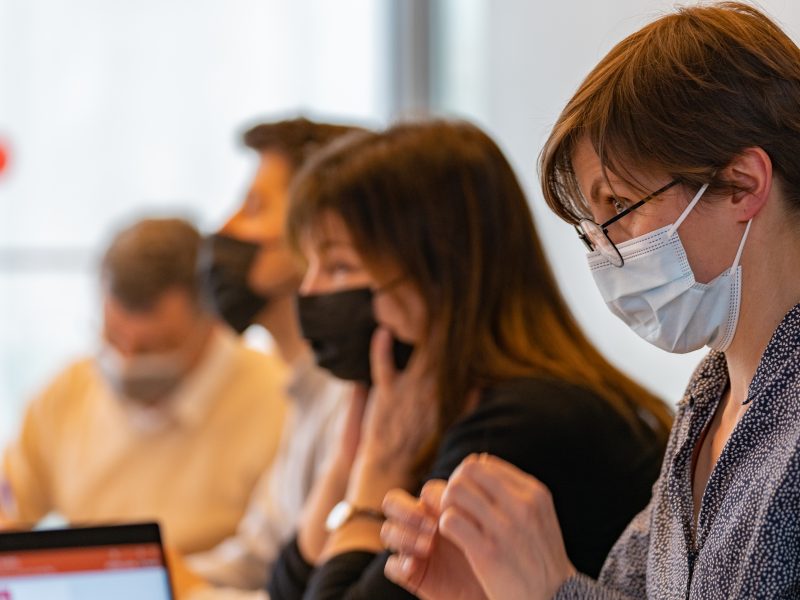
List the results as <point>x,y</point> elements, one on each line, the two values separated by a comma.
<point>204,331</point>
<point>770,288</point>
<point>280,319</point>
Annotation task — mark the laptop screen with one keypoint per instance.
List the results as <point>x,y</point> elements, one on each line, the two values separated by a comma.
<point>121,562</point>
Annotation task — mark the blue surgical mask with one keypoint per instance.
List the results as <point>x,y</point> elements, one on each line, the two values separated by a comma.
<point>656,294</point>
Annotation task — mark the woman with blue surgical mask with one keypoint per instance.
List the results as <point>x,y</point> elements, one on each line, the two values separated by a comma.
<point>678,162</point>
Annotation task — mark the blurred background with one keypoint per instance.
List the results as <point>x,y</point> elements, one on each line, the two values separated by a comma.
<point>114,110</point>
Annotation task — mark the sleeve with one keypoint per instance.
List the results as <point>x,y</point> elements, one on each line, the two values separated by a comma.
<point>581,587</point>
<point>290,575</point>
<point>354,576</point>
<point>359,575</point>
<point>348,576</point>
<point>246,559</point>
<point>624,575</point>
<point>243,560</point>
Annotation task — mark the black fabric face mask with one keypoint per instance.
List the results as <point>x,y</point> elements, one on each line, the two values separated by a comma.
<point>224,265</point>
<point>339,327</point>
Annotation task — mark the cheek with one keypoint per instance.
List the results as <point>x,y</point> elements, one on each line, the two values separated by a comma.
<point>403,314</point>
<point>271,267</point>
<point>637,224</point>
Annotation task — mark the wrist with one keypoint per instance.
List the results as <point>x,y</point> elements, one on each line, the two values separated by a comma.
<point>344,513</point>
<point>370,481</point>
<point>567,573</point>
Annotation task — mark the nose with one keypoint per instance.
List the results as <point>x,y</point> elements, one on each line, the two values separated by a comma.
<point>311,283</point>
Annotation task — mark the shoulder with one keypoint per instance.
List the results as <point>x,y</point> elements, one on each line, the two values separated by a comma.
<point>540,404</point>
<point>67,397</point>
<point>541,425</point>
<point>255,372</point>
<point>72,382</point>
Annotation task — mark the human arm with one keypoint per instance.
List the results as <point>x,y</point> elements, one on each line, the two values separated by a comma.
<point>502,521</point>
<point>398,419</point>
<point>25,467</point>
<point>295,563</point>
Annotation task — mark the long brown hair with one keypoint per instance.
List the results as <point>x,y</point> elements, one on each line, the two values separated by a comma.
<point>441,201</point>
<point>684,96</point>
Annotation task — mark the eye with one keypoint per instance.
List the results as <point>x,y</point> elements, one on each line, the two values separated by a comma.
<point>339,268</point>
<point>619,204</point>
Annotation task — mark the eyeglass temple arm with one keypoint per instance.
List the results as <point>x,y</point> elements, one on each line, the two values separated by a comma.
<point>641,202</point>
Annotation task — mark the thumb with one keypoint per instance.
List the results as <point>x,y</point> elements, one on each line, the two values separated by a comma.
<point>381,358</point>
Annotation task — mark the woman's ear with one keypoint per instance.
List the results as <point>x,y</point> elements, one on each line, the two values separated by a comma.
<point>751,172</point>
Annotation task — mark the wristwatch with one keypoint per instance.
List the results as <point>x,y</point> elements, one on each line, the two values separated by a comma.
<point>344,512</point>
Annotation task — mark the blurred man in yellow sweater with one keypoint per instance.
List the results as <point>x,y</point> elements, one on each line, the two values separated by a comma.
<point>173,420</point>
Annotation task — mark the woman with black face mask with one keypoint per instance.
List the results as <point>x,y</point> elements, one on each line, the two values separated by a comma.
<point>427,283</point>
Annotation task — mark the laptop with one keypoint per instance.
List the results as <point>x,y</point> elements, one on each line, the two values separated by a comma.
<point>119,562</point>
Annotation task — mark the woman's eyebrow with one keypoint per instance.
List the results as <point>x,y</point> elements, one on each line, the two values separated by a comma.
<point>594,192</point>
<point>328,244</point>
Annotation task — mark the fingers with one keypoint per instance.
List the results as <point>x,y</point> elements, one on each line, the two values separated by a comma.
<point>405,541</point>
<point>500,482</point>
<point>468,499</point>
<point>431,495</point>
<point>405,571</point>
<point>491,493</point>
<point>403,508</point>
<point>409,529</point>
<point>381,357</point>
<point>463,531</point>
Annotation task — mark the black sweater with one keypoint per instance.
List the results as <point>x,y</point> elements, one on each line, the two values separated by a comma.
<point>598,469</point>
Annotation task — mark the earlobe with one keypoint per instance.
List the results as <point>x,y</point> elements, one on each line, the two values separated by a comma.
<point>750,173</point>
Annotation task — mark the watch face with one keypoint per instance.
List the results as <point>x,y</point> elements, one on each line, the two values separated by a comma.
<point>338,516</point>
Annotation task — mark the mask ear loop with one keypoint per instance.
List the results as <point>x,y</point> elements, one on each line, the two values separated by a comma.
<point>689,208</point>
<point>741,246</point>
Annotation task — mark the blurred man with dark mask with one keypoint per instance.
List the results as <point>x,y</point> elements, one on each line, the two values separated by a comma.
<point>172,420</point>
<point>252,277</point>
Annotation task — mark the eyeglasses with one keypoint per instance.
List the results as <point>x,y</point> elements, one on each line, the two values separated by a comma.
<point>595,236</point>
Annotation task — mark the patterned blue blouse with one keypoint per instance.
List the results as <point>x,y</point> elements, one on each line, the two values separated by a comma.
<point>747,543</point>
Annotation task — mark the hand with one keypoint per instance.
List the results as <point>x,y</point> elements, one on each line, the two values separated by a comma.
<point>504,522</point>
<point>401,414</point>
<point>399,418</point>
<point>350,436</point>
<point>330,488</point>
<point>426,564</point>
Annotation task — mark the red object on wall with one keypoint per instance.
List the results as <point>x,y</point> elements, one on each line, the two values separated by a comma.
<point>3,164</point>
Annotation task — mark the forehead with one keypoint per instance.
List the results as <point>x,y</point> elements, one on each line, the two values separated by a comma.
<point>587,167</point>
<point>169,318</point>
<point>328,230</point>
<point>595,180</point>
<point>273,166</point>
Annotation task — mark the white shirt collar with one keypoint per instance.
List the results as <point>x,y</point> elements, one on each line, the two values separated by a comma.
<point>192,400</point>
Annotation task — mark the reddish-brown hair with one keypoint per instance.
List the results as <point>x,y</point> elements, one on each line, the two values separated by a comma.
<point>684,96</point>
<point>296,139</point>
<point>440,201</point>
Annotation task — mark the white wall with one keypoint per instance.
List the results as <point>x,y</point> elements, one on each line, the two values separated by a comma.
<point>116,108</point>
<point>513,64</point>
